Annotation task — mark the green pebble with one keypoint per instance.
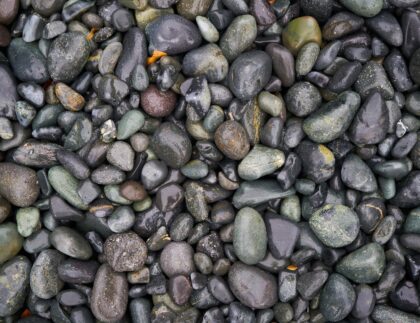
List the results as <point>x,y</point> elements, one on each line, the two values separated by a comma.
<point>412,223</point>
<point>195,169</point>
<point>143,205</point>
<point>213,118</point>
<point>272,104</point>
<point>364,8</point>
<point>112,192</point>
<point>130,123</point>
<point>249,236</point>
<point>306,58</point>
<point>27,220</point>
<point>66,186</point>
<point>10,241</point>
<point>290,208</point>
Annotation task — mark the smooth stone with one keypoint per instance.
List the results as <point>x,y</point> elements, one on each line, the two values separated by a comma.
<point>328,54</point>
<point>172,34</point>
<point>190,9</point>
<point>318,162</point>
<point>364,265</point>
<point>368,8</point>
<point>20,55</point>
<point>10,241</point>
<point>239,35</point>
<point>385,313</point>
<point>249,73</point>
<point>67,56</point>
<point>373,77</point>
<point>408,192</point>
<point>335,225</point>
<point>287,285</point>
<point>332,120</point>
<point>158,103</point>
<point>8,96</point>
<point>8,11</point>
<point>121,220</point>
<point>33,93</point>
<point>249,236</point>
<point>207,29</point>
<point>260,161</point>
<point>337,298</point>
<point>282,234</point>
<point>153,174</point>
<point>18,184</point>
<point>180,289</point>
<point>134,53</point>
<point>14,283</point>
<point>299,32</point>
<point>387,27</point>
<point>28,221</point>
<point>345,76</point>
<point>405,296</point>
<point>125,251</point>
<point>44,280</point>
<point>320,10</point>
<point>302,99</point>
<point>283,63</point>
<point>66,185</point>
<point>171,145</point>
<point>369,125</point>
<point>73,163</point>
<point>253,193</point>
<point>306,58</point>
<point>70,243</point>
<point>121,155</point>
<point>232,140</point>
<point>272,104</point>
<point>133,191</point>
<point>310,283</point>
<point>398,72</point>
<point>414,67</point>
<point>36,154</point>
<point>109,58</point>
<point>177,259</point>
<point>70,99</point>
<point>75,271</point>
<point>357,175</point>
<point>109,295</point>
<point>112,90</point>
<point>254,287</point>
<point>263,12</point>
<point>365,302</point>
<point>195,169</point>
<point>131,122</point>
<point>207,60</point>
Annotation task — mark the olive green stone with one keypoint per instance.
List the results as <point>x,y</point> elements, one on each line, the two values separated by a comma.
<point>134,4</point>
<point>207,29</point>
<point>193,8</point>
<point>240,34</point>
<point>130,123</point>
<point>195,169</point>
<point>213,118</point>
<point>364,8</point>
<point>149,14</point>
<point>71,243</point>
<point>66,185</point>
<point>14,283</point>
<point>143,205</point>
<point>306,58</point>
<point>260,161</point>
<point>112,192</point>
<point>249,236</point>
<point>27,220</point>
<point>197,131</point>
<point>388,314</point>
<point>301,31</point>
<point>335,225</point>
<point>364,265</point>
<point>412,223</point>
<point>272,104</point>
<point>332,120</point>
<point>337,298</point>
<point>290,208</point>
<point>10,241</point>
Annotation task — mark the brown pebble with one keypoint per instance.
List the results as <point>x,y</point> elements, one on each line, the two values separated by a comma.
<point>133,191</point>
<point>179,289</point>
<point>68,97</point>
<point>232,140</point>
<point>5,209</point>
<point>4,36</point>
<point>157,103</point>
<point>8,11</point>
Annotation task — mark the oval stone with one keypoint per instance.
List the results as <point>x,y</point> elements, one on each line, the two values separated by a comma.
<point>301,31</point>
<point>67,56</point>
<point>335,225</point>
<point>10,241</point>
<point>249,236</point>
<point>109,295</point>
<point>254,287</point>
<point>71,243</point>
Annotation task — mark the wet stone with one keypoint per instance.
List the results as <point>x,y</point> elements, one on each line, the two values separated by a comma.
<point>157,103</point>
<point>70,243</point>
<point>177,259</point>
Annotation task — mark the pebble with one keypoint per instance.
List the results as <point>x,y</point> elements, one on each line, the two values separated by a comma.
<point>157,103</point>
<point>306,58</point>
<point>121,155</point>
<point>11,241</point>
<point>371,78</point>
<point>335,225</point>
<point>172,34</point>
<point>388,313</point>
<point>177,259</point>
<point>131,122</point>
<point>254,287</point>
<point>190,9</point>
<point>357,175</point>
<point>299,32</point>
<point>70,243</point>
<point>239,35</point>
<point>28,221</point>
<point>68,54</point>
<point>75,271</point>
<point>125,252</point>
<point>70,99</point>
<point>249,73</point>
<point>367,8</point>
<point>44,280</point>
<point>364,265</point>
<point>302,99</point>
<point>207,29</point>
<point>9,10</point>
<point>249,236</point>
<point>171,145</point>
<point>337,298</point>
<point>283,63</point>
<point>282,234</point>
<point>333,119</point>
<point>109,297</point>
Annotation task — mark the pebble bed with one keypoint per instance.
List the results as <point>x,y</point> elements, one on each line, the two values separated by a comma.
<point>187,161</point>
